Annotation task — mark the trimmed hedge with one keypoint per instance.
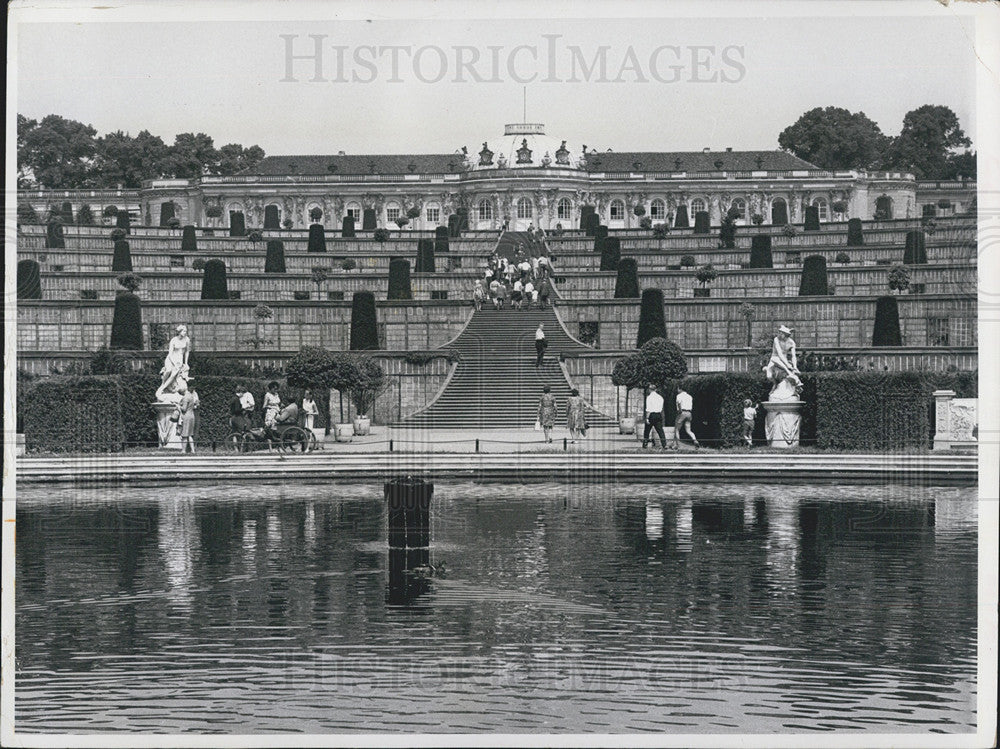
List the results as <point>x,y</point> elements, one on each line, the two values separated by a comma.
<point>67,213</point>
<point>29,280</point>
<point>440,239</point>
<point>213,284</point>
<point>627,283</point>
<point>872,411</point>
<point>54,236</point>
<point>274,261</point>
<point>364,323</point>
<point>237,224</point>
<point>189,239</point>
<point>814,280</point>
<point>855,234</point>
<point>611,253</point>
<point>272,217</point>
<point>727,234</point>
<point>122,221</point>
<point>812,218</point>
<point>651,321</point>
<point>760,251</point>
<point>585,212</point>
<point>121,261</point>
<point>126,325</point>
<point>916,248</point>
<point>593,221</point>
<point>347,227</point>
<point>369,220</point>
<point>317,238</point>
<point>779,214</point>
<point>681,219</point>
<point>701,223</point>
<point>399,279</point>
<point>886,331</point>
<point>425,256</point>
<point>600,232</point>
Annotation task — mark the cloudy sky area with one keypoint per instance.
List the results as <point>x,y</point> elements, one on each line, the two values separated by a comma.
<point>225,79</point>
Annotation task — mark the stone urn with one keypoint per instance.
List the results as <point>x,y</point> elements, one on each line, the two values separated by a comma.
<point>362,426</point>
<point>783,417</point>
<point>626,425</point>
<point>344,432</point>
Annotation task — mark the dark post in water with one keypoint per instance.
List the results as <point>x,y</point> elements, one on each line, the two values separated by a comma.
<point>408,506</point>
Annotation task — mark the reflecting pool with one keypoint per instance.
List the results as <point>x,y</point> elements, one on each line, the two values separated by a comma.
<point>258,608</point>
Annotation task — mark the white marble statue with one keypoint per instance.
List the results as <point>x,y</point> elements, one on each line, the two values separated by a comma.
<point>175,367</point>
<point>782,368</point>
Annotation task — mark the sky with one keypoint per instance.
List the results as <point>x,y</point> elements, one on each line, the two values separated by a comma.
<point>669,83</point>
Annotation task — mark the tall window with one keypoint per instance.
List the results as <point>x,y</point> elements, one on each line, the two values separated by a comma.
<point>354,211</point>
<point>485,210</point>
<point>565,209</point>
<point>657,210</point>
<point>824,210</point>
<point>392,212</point>
<point>523,208</point>
<point>433,214</point>
<point>740,205</point>
<point>617,210</point>
<point>697,205</point>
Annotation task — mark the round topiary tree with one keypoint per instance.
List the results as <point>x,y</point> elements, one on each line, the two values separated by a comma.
<point>760,251</point>
<point>349,264</point>
<point>347,227</point>
<point>274,261</point>
<point>661,361</point>
<point>413,213</point>
<point>399,279</point>
<point>109,211</point>
<point>287,224</point>
<point>173,223</point>
<point>855,235</point>
<point>701,223</point>
<point>916,248</point>
<point>213,212</point>
<point>364,323</point>
<point>317,238</point>
<point>645,223</point>
<point>381,235</point>
<point>369,220</point>
<point>812,218</point>
<point>316,214</point>
<point>627,282</point>
<point>840,206</point>
<point>272,217</point>
<point>167,212</point>
<point>54,236</point>
<point>843,258</point>
<point>29,280</point>
<point>681,219</point>
<point>214,285</point>
<point>886,331</point>
<point>189,239</point>
<point>687,261</point>
<point>611,252</point>
<point>122,221</point>
<point>26,214</point>
<point>425,256</point>
<point>126,324</point>
<point>814,280</point>
<point>899,278</point>
<point>727,233</point>
<point>121,261</point>
<point>651,321</point>
<point>237,224</point>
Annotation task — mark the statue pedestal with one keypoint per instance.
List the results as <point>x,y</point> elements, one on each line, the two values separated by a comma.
<point>165,428</point>
<point>782,422</point>
<point>956,421</point>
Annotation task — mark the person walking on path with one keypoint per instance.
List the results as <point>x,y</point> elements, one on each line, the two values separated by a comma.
<point>540,344</point>
<point>547,412</point>
<point>684,405</point>
<point>576,419</point>
<point>188,406</point>
<point>654,418</point>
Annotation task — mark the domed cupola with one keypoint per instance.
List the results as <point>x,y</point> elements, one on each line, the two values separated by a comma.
<point>525,145</point>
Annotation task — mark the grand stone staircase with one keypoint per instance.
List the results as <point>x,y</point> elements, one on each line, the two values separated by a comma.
<point>496,383</point>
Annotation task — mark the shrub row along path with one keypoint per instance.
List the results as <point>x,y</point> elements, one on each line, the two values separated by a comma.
<point>496,384</point>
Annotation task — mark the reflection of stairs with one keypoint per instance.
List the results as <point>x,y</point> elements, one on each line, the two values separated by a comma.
<point>496,384</point>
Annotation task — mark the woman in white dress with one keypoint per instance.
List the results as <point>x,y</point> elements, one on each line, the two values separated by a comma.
<point>175,366</point>
<point>309,410</point>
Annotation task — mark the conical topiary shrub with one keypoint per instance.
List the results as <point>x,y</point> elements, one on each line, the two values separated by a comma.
<point>701,224</point>
<point>29,280</point>
<point>814,281</point>
<point>122,221</point>
<point>916,248</point>
<point>347,227</point>
<point>855,236</point>
<point>364,323</point>
<point>425,256</point>
<point>54,236</point>
<point>369,221</point>
<point>651,322</point>
<point>727,234</point>
<point>399,279</point>
<point>237,224</point>
<point>627,283</point>
<point>600,232</point>
<point>272,217</point>
<point>166,213</point>
<point>681,219</point>
<point>213,285</point>
<point>189,239</point>
<point>126,325</point>
<point>121,262</point>
<point>317,238</point>
<point>760,251</point>
<point>274,261</point>
<point>779,214</point>
<point>812,218</point>
<point>886,332</point>
<point>67,213</point>
<point>440,240</point>
<point>463,221</point>
<point>611,253</point>
<point>585,211</point>
<point>593,222</point>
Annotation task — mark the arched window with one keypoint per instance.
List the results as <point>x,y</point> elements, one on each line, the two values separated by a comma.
<point>392,212</point>
<point>485,210</point>
<point>524,208</point>
<point>617,210</point>
<point>740,205</point>
<point>354,211</point>
<point>697,205</point>
<point>824,211</point>
<point>565,209</point>
<point>657,210</point>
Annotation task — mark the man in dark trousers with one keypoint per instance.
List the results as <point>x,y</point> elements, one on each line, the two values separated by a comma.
<point>654,418</point>
<point>540,344</point>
